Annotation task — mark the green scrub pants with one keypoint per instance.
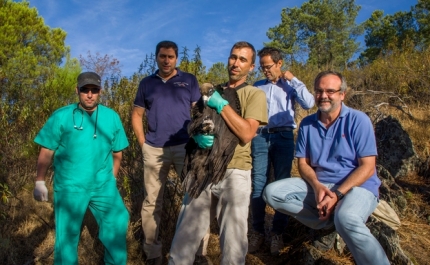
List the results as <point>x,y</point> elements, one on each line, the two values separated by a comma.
<point>110,213</point>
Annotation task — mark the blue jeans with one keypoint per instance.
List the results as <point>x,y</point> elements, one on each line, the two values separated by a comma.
<point>268,149</point>
<point>296,197</point>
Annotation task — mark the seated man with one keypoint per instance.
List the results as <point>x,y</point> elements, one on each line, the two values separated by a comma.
<point>336,151</point>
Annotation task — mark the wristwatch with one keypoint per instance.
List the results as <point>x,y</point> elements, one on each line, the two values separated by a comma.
<point>339,195</point>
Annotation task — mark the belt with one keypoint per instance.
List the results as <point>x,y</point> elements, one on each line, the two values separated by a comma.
<point>275,129</point>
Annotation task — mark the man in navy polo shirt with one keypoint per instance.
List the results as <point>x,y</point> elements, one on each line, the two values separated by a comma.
<point>165,98</point>
<point>336,151</point>
<point>274,143</point>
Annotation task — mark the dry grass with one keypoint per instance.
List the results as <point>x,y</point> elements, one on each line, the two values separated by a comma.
<point>415,230</point>
<point>27,235</point>
<point>414,234</point>
<point>414,238</point>
<point>416,126</point>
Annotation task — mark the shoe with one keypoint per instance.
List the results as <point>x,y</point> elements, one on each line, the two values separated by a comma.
<point>255,241</point>
<point>276,244</point>
<point>154,261</point>
<point>202,260</point>
<point>311,256</point>
<point>324,239</point>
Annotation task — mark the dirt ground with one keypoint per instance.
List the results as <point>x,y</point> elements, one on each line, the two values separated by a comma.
<point>27,236</point>
<point>414,234</point>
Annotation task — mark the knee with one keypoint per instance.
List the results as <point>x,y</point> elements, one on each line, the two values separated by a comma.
<point>122,218</point>
<point>347,222</point>
<point>257,190</point>
<point>125,216</point>
<point>281,195</point>
<point>154,200</point>
<point>268,192</point>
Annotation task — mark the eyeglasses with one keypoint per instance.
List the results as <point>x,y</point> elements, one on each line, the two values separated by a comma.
<point>86,90</point>
<point>329,92</point>
<point>265,68</point>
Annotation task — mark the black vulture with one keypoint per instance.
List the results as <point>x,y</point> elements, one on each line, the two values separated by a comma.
<point>203,166</point>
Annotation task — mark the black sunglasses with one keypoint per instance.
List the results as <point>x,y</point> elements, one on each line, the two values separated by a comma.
<point>86,90</point>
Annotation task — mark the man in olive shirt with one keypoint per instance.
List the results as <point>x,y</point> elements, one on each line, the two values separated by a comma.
<point>228,200</point>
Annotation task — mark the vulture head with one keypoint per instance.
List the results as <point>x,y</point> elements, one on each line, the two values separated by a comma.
<point>202,115</point>
<point>206,90</point>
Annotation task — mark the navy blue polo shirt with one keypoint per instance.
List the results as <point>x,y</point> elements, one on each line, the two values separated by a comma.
<point>167,107</point>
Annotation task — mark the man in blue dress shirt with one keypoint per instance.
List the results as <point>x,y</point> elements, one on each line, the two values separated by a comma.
<point>274,143</point>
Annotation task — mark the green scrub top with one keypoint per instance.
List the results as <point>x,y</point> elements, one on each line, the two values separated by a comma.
<point>82,161</point>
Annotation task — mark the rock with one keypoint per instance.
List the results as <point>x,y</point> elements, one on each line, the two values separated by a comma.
<point>395,150</point>
<point>389,241</point>
<point>424,169</point>
<point>390,191</point>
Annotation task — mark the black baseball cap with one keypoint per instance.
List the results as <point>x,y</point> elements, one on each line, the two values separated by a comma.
<point>89,78</point>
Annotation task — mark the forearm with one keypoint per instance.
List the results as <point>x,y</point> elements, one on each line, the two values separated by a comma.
<point>362,173</point>
<point>307,173</point>
<point>117,157</point>
<point>305,99</point>
<point>43,163</point>
<point>244,129</point>
<point>137,123</point>
<point>42,168</point>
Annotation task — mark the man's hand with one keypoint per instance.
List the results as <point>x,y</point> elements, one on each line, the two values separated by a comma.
<point>40,192</point>
<point>326,201</point>
<point>287,75</point>
<point>217,102</point>
<point>204,140</point>
<point>324,197</point>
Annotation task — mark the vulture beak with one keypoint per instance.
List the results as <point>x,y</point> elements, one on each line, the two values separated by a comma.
<point>205,99</point>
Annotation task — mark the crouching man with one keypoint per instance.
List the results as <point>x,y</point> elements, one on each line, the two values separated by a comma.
<point>336,151</point>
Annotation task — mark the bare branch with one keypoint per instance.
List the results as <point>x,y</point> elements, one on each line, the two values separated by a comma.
<point>104,66</point>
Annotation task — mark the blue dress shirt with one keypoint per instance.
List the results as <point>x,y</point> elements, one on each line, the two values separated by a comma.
<point>281,98</point>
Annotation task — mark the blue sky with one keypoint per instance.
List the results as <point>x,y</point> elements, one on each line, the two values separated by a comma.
<point>130,29</point>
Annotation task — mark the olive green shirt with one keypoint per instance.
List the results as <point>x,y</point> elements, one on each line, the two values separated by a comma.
<point>253,106</point>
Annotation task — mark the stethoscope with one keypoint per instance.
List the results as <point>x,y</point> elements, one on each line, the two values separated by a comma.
<point>80,128</point>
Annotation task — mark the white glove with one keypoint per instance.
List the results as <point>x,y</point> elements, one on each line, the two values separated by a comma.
<point>40,192</point>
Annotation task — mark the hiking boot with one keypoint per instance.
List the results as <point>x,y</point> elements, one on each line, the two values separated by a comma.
<point>324,239</point>
<point>276,244</point>
<point>255,241</point>
<point>154,261</point>
<point>311,256</point>
<point>202,260</point>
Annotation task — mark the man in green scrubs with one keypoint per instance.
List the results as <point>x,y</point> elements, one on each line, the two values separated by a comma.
<point>86,141</point>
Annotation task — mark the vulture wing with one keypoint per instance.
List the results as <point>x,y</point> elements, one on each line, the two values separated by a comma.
<point>203,166</point>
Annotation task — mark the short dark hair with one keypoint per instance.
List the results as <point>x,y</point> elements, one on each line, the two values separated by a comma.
<point>166,44</point>
<point>343,85</point>
<point>244,44</point>
<point>274,53</point>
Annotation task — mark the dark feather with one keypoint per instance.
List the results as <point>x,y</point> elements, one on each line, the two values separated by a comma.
<point>203,166</point>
